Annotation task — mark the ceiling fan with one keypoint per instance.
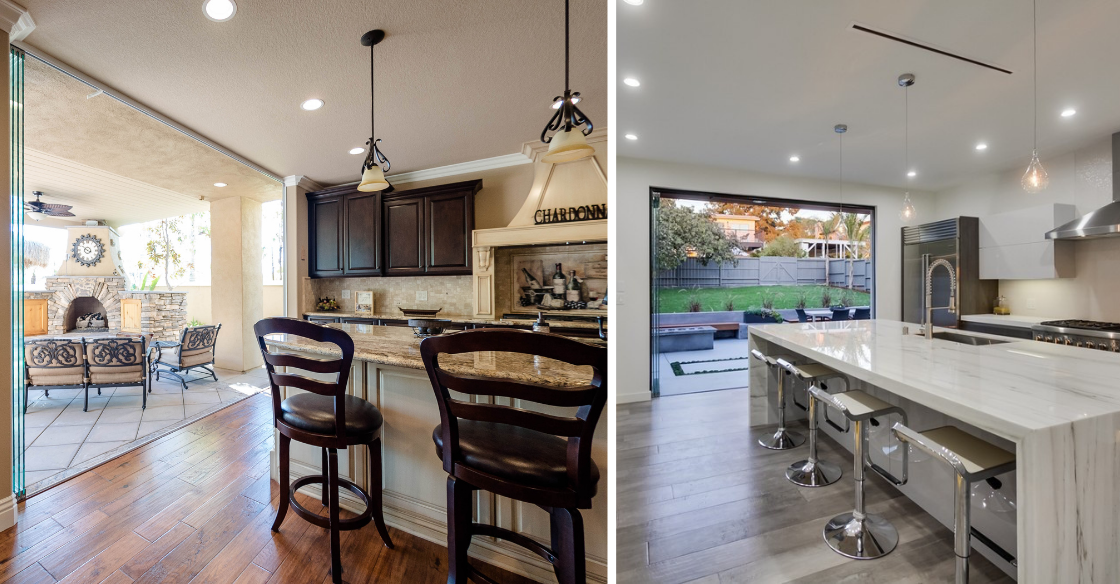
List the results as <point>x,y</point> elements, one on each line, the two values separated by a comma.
<point>37,209</point>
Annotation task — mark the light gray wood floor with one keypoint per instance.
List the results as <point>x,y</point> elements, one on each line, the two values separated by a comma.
<point>700,502</point>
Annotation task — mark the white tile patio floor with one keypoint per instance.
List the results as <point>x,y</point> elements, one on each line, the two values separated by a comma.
<point>60,438</point>
<point>671,384</point>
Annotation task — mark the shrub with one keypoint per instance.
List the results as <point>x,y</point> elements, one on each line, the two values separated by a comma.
<point>729,303</point>
<point>801,299</point>
<point>846,299</point>
<point>195,322</point>
<point>765,312</point>
<point>694,303</point>
<point>826,298</point>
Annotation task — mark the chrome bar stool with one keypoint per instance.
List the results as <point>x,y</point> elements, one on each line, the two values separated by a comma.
<point>813,472</point>
<point>861,535</point>
<point>782,439</point>
<point>973,460</point>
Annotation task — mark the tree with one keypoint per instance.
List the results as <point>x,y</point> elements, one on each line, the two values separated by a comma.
<point>161,255</point>
<point>782,246</point>
<point>857,231</point>
<point>35,255</point>
<point>684,233</point>
<point>770,223</point>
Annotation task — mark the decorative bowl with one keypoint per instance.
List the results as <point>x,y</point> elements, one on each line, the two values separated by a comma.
<point>420,312</point>
<point>427,327</point>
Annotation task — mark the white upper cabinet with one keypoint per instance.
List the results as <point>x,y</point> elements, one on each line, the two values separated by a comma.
<point>1013,245</point>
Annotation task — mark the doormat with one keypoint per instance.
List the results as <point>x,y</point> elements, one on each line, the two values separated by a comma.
<point>708,366</point>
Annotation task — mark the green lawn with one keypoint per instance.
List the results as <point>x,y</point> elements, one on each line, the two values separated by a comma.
<point>713,299</point>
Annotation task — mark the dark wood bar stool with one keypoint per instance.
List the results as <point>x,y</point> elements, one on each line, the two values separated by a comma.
<point>326,417</point>
<point>537,458</point>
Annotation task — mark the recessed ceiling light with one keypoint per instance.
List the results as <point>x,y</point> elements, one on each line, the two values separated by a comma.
<point>981,146</point>
<point>632,82</point>
<point>219,10</point>
<point>357,150</point>
<point>1068,112</point>
<point>219,185</point>
<point>312,104</point>
<point>634,2</point>
<point>795,158</point>
<point>912,173</point>
<point>631,136</point>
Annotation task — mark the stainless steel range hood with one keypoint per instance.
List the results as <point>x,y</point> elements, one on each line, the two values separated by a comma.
<point>1104,222</point>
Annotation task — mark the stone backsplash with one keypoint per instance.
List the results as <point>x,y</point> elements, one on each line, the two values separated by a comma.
<point>451,293</point>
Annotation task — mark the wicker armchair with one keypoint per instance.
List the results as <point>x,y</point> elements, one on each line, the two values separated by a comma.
<point>194,350</point>
<point>53,364</point>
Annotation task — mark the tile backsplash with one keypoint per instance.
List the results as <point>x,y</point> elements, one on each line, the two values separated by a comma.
<point>451,293</point>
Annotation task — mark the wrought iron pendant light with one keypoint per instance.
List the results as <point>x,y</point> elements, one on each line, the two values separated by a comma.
<point>569,142</point>
<point>1035,180</point>
<point>908,213</point>
<point>376,164</point>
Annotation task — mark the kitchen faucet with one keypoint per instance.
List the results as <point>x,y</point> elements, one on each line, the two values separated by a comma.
<point>928,324</point>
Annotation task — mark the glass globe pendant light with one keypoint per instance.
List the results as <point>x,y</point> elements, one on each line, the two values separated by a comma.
<point>1035,180</point>
<point>569,143</point>
<point>907,213</point>
<point>376,164</point>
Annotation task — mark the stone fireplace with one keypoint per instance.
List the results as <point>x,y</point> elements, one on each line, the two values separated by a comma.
<point>160,313</point>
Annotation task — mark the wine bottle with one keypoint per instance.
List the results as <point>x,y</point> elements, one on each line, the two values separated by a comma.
<point>558,282</point>
<point>533,283</point>
<point>573,292</point>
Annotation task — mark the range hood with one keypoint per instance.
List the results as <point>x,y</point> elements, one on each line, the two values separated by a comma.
<point>1104,222</point>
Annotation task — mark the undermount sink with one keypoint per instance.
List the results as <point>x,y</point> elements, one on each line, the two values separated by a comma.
<point>967,339</point>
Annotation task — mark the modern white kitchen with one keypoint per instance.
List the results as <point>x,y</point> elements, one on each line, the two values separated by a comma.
<point>968,430</point>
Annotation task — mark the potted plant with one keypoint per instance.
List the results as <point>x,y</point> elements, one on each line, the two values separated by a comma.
<point>327,304</point>
<point>762,316</point>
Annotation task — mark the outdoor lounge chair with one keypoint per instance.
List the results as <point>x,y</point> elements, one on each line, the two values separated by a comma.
<point>195,349</point>
<point>117,362</point>
<point>53,364</point>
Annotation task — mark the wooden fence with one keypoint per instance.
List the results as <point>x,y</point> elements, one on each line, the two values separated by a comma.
<point>769,271</point>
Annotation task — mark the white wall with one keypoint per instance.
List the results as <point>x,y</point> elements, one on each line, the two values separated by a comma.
<point>631,309</point>
<point>1082,178</point>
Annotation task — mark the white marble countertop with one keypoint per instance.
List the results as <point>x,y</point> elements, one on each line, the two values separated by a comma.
<point>1009,389</point>
<point>1014,320</point>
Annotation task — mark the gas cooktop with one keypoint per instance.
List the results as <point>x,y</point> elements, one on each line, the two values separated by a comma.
<point>1104,336</point>
<point>1091,325</point>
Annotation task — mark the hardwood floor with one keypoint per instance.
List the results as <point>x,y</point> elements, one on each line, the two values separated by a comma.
<point>699,501</point>
<point>197,506</point>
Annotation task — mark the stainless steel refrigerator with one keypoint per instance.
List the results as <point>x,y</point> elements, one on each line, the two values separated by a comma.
<point>958,242</point>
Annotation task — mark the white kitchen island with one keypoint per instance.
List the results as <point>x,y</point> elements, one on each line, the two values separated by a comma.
<point>1057,407</point>
<point>388,372</point>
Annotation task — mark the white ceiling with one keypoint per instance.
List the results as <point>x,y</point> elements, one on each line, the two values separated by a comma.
<point>747,84</point>
<point>456,81</point>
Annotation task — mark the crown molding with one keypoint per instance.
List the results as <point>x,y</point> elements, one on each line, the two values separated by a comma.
<point>298,180</point>
<point>460,168</point>
<point>15,20</point>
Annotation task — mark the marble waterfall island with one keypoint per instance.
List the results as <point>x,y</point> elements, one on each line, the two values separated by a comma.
<point>1057,407</point>
<point>389,373</point>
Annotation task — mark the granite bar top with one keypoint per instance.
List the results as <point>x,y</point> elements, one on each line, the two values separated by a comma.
<point>1010,389</point>
<point>399,347</point>
<point>461,318</point>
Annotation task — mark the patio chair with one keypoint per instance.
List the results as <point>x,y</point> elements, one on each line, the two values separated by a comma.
<point>841,314</point>
<point>802,317</point>
<point>53,364</point>
<point>117,362</point>
<point>195,350</point>
<point>862,314</point>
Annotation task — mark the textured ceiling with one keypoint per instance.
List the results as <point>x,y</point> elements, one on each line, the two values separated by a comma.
<point>748,84</point>
<point>107,135</point>
<point>456,81</point>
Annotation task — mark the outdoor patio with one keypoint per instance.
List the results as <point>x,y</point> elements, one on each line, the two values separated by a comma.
<point>61,440</point>
<point>724,366</point>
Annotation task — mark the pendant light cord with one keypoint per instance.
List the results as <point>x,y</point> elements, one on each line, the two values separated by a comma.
<point>906,100</point>
<point>1034,64</point>
<point>567,34</point>
<point>372,98</point>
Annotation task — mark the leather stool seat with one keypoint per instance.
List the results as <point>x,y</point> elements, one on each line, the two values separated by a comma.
<point>514,454</point>
<point>315,413</point>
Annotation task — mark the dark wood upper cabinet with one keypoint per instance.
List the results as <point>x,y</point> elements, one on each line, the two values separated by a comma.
<point>404,236</point>
<point>325,238</point>
<point>414,232</point>
<point>362,241</point>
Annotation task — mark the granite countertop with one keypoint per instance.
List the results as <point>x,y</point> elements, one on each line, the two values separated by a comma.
<point>399,347</point>
<point>1013,320</point>
<point>1010,389</point>
<point>461,318</point>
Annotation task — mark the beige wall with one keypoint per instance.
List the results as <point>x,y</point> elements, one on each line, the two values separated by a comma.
<point>630,309</point>
<point>1082,178</point>
<point>237,298</point>
<point>199,298</point>
<point>106,267</point>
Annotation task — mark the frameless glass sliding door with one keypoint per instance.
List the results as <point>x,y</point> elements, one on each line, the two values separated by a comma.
<point>654,306</point>
<point>16,267</point>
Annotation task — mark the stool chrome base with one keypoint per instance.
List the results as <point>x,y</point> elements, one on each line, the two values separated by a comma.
<point>783,439</point>
<point>807,473</point>
<point>860,539</point>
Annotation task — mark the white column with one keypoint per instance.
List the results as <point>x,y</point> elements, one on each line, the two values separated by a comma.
<point>296,281</point>
<point>237,289</point>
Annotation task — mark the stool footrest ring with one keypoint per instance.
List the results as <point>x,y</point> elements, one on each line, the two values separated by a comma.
<point>315,519</point>
<point>517,538</point>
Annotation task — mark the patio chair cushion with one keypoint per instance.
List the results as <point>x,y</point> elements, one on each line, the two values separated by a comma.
<point>56,375</point>
<point>55,362</point>
<point>126,374</point>
<point>190,357</point>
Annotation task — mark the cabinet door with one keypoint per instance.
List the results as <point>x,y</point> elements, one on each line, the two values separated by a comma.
<point>35,317</point>
<point>130,315</point>
<point>361,240</point>
<point>449,219</point>
<point>325,237</point>
<point>404,236</point>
